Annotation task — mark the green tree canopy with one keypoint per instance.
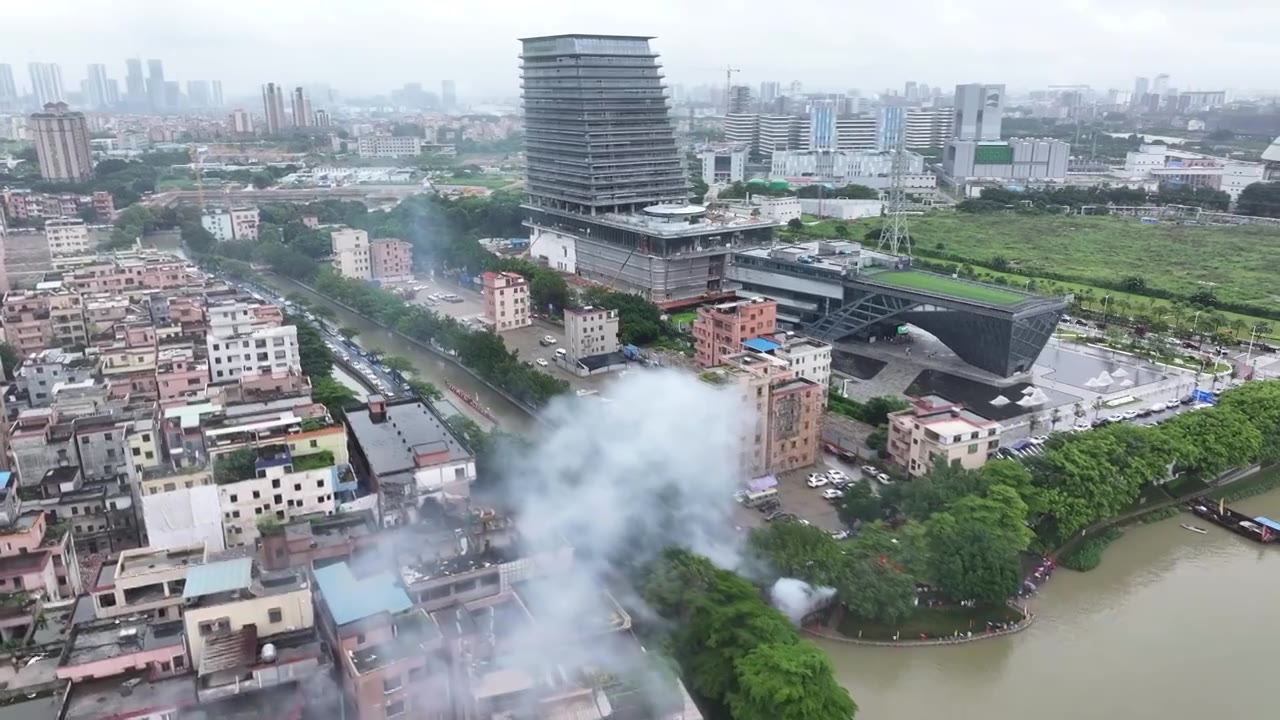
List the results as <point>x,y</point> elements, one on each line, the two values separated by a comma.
<point>795,550</point>
<point>788,681</point>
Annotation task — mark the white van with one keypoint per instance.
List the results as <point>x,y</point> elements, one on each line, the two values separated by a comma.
<point>755,498</point>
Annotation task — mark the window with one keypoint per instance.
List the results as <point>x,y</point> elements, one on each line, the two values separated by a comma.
<point>360,639</point>
<point>275,615</point>
<point>973,448</point>
<point>315,443</point>
<point>235,514</point>
<point>276,484</point>
<point>107,436</point>
<point>257,495</point>
<point>179,662</point>
<point>460,473</point>
<point>391,684</point>
<point>137,452</point>
<point>149,455</point>
<point>111,453</point>
<point>206,628</point>
<point>75,509</point>
<point>277,499</point>
<point>320,483</point>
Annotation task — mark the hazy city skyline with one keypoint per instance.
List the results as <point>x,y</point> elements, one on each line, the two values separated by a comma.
<point>832,45</point>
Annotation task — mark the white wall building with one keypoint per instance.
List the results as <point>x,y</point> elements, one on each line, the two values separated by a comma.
<point>265,349</point>
<point>351,253</point>
<point>724,165</point>
<point>553,249</point>
<point>218,224</point>
<point>237,224</point>
<point>590,331</point>
<point>841,209</point>
<point>387,146</point>
<point>857,167</point>
<point>1163,163</point>
<point>274,493</point>
<point>183,516</point>
<point>808,358</point>
<point>66,236</point>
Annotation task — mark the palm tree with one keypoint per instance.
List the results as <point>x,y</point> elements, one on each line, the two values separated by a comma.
<point>1179,313</point>
<point>1054,417</point>
<point>1033,423</point>
<point>1237,326</point>
<point>1098,404</point>
<point>1079,410</point>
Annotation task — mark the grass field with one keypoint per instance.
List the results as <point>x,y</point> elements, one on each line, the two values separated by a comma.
<point>493,182</point>
<point>1240,263</point>
<point>983,237</point>
<point>943,285</point>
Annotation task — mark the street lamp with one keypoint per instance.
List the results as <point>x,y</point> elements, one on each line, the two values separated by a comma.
<point>1195,321</point>
<point>1105,299</point>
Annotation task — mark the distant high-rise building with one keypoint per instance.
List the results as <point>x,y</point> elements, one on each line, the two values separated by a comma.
<point>301,109</point>
<point>198,93</point>
<point>795,88</point>
<point>911,91</point>
<point>322,119</point>
<point>240,122</point>
<point>448,94</point>
<point>172,94</point>
<point>46,83</point>
<point>979,111</point>
<point>273,108</point>
<point>62,144</point>
<point>822,125</point>
<point>891,123</point>
<point>1160,85</point>
<point>97,87</point>
<point>157,91</point>
<point>739,99</point>
<point>768,91</point>
<point>925,91</point>
<point>8,88</point>
<point>1139,89</point>
<point>215,94</point>
<point>135,85</point>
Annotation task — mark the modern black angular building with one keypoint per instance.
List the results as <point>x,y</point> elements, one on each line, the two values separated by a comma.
<point>607,193</point>
<point>832,293</point>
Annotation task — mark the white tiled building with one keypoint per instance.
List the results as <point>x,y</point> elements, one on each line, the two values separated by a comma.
<point>276,492</point>
<point>265,349</point>
<point>66,236</point>
<point>351,253</point>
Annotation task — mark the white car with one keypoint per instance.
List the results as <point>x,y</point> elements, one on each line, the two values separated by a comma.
<point>870,470</point>
<point>816,480</point>
<point>1158,407</point>
<point>884,479</point>
<point>541,362</point>
<point>831,494</point>
<point>837,477</point>
<point>1130,415</point>
<point>548,340</point>
<point>839,534</point>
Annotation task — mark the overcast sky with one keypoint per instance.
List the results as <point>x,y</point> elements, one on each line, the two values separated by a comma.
<point>371,46</point>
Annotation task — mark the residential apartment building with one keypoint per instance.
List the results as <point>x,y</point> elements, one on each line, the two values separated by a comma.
<point>238,223</point>
<point>785,412</point>
<point>21,206</point>
<point>318,541</point>
<point>66,236</point>
<point>405,450</point>
<point>724,164</point>
<point>179,374</point>
<point>351,253</point>
<point>388,146</point>
<point>277,488</point>
<point>50,316</point>
<point>506,301</point>
<point>112,647</point>
<point>391,260</point>
<point>720,329</point>
<point>62,144</point>
<point>936,430</point>
<point>248,338</point>
<point>37,555</point>
<point>808,358</point>
<point>390,656</point>
<point>146,580</point>
<point>589,332</point>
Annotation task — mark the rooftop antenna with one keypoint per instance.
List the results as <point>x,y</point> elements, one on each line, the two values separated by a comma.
<point>895,237</point>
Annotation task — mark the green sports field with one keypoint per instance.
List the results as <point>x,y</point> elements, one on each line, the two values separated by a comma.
<point>950,287</point>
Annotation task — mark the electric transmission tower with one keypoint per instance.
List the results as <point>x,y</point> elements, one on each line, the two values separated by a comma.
<point>895,236</point>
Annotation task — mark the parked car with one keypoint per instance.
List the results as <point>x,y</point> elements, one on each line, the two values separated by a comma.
<point>831,494</point>
<point>869,469</point>
<point>816,480</point>
<point>1171,403</point>
<point>1129,415</point>
<point>778,515</point>
<point>547,340</point>
<point>541,362</point>
<point>837,477</point>
<point>839,534</point>
<point>884,479</point>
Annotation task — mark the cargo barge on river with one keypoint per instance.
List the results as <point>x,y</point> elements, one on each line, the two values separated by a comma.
<point>1258,529</point>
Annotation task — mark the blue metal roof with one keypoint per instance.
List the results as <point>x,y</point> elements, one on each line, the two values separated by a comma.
<point>350,599</point>
<point>1268,522</point>
<point>761,345</point>
<point>5,477</point>
<point>212,578</point>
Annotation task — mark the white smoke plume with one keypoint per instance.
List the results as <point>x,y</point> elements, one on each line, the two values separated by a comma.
<point>620,480</point>
<point>797,598</point>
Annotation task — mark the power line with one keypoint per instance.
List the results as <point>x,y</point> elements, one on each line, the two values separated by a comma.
<point>895,236</point>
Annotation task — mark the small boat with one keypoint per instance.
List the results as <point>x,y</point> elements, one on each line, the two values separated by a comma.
<point>1194,529</point>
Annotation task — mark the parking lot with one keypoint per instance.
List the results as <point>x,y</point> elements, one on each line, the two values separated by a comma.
<point>804,502</point>
<point>527,341</point>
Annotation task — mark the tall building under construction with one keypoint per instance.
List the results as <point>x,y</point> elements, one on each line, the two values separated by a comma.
<point>607,193</point>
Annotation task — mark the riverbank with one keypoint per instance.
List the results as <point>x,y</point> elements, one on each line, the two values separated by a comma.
<point>925,626</point>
